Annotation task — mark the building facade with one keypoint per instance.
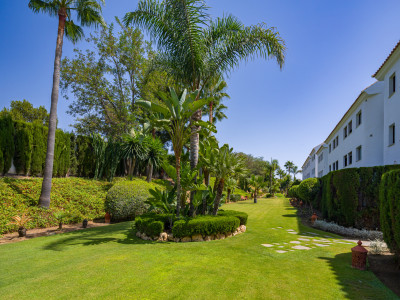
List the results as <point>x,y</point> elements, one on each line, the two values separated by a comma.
<point>366,135</point>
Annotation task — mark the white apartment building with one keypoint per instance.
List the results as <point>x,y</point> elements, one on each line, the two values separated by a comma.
<point>366,135</point>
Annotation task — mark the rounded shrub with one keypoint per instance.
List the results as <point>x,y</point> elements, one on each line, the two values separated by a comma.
<point>205,225</point>
<point>308,189</point>
<point>126,199</point>
<point>389,198</point>
<point>149,226</point>
<point>242,216</point>
<point>292,193</point>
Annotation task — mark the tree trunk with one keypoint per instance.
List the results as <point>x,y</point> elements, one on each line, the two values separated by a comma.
<point>149,172</point>
<point>228,196</point>
<point>206,177</point>
<point>210,116</point>
<point>216,184</point>
<point>218,197</point>
<point>44,200</point>
<point>255,197</point>
<point>178,185</point>
<point>153,132</point>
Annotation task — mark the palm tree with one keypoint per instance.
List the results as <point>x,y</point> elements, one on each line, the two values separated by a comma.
<point>216,89</point>
<point>295,170</point>
<point>289,166</point>
<point>230,184</point>
<point>176,115</point>
<point>88,13</point>
<point>155,155</point>
<point>134,149</point>
<point>227,165</point>
<point>256,183</point>
<point>281,173</point>
<point>272,166</point>
<point>194,48</point>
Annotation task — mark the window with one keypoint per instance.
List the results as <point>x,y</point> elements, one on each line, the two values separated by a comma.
<point>350,158</point>
<point>334,144</point>
<point>345,132</point>
<point>350,126</point>
<point>358,119</point>
<point>321,157</point>
<point>333,166</point>
<point>358,153</point>
<point>313,158</point>
<point>313,172</point>
<point>392,84</point>
<point>337,141</point>
<point>337,165</point>
<point>392,135</point>
<point>345,161</point>
<point>330,148</point>
<point>330,168</point>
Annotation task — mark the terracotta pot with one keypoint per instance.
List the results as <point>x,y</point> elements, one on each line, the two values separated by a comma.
<point>314,217</point>
<point>107,218</point>
<point>84,223</point>
<point>21,231</point>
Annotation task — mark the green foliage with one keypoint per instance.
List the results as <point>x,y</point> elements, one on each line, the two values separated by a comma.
<point>39,138</point>
<point>23,147</point>
<point>1,160</point>
<point>25,112</point>
<point>308,189</point>
<point>149,226</point>
<point>6,141</point>
<point>205,225</point>
<point>242,216</point>
<point>389,197</point>
<point>127,199</point>
<point>350,197</point>
<point>85,156</point>
<point>80,198</point>
<point>62,153</point>
<point>293,192</point>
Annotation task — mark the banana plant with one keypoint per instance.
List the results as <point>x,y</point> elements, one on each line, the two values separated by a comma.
<point>164,201</point>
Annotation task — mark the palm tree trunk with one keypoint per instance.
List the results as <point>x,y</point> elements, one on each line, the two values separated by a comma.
<point>149,172</point>
<point>206,177</point>
<point>44,200</point>
<point>255,197</point>
<point>218,197</point>
<point>178,184</point>
<point>210,114</point>
<point>228,195</point>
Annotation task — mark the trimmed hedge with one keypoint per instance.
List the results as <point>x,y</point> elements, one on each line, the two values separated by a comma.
<point>350,197</point>
<point>149,226</point>
<point>6,142</point>
<point>242,216</point>
<point>292,193</point>
<point>308,189</point>
<point>39,137</point>
<point>389,196</point>
<point>205,225</point>
<point>23,147</point>
<point>126,199</point>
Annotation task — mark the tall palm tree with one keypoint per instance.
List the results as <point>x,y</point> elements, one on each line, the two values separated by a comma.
<point>272,166</point>
<point>194,48</point>
<point>295,170</point>
<point>88,13</point>
<point>230,184</point>
<point>281,173</point>
<point>176,113</point>
<point>289,166</point>
<point>155,155</point>
<point>227,164</point>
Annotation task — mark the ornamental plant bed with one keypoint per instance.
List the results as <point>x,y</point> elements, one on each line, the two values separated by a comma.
<point>202,228</point>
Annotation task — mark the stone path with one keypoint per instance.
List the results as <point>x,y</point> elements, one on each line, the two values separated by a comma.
<point>306,241</point>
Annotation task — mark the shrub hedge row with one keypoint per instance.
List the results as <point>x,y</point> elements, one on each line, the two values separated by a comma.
<point>242,216</point>
<point>149,226</point>
<point>390,210</point>
<point>205,225</point>
<point>350,197</point>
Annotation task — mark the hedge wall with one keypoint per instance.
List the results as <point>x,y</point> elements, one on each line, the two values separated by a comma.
<point>350,197</point>
<point>6,142</point>
<point>389,196</point>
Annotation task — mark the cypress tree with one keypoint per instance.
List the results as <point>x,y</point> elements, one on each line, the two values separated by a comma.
<point>23,147</point>
<point>39,134</point>
<point>7,141</point>
<point>1,160</point>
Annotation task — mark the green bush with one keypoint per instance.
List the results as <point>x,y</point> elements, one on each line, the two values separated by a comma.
<point>1,160</point>
<point>389,196</point>
<point>6,142</point>
<point>205,225</point>
<point>149,226</point>
<point>350,197</point>
<point>85,156</point>
<point>292,193</point>
<point>242,216</point>
<point>23,147</point>
<point>236,197</point>
<point>308,189</point>
<point>62,153</point>
<point>126,199</point>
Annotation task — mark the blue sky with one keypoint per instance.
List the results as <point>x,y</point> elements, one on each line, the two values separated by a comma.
<point>333,48</point>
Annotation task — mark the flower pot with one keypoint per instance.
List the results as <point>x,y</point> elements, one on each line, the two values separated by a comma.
<point>22,232</point>
<point>107,218</point>
<point>314,217</point>
<point>85,223</point>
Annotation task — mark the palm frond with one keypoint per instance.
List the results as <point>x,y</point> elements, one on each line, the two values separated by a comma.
<point>50,7</point>
<point>73,32</point>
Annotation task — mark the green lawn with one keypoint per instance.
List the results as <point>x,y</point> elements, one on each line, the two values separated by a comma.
<point>110,262</point>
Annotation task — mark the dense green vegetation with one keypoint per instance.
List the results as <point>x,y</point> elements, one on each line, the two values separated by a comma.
<point>238,267</point>
<point>350,197</point>
<point>390,210</point>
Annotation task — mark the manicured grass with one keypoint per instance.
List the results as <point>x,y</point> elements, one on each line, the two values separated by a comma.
<point>110,262</point>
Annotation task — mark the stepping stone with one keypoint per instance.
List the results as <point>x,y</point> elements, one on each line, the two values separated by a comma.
<point>275,243</point>
<point>280,246</point>
<point>293,232</point>
<point>303,239</point>
<point>273,228</point>
<point>321,245</point>
<point>295,242</point>
<point>279,227</point>
<point>285,243</point>
<point>281,251</point>
<point>289,230</point>
<point>267,245</point>
<point>313,233</point>
<point>328,236</point>
<point>300,247</point>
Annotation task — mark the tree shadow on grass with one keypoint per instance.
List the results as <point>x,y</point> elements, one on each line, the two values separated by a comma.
<point>96,236</point>
<point>354,283</point>
<point>11,183</point>
<point>289,216</point>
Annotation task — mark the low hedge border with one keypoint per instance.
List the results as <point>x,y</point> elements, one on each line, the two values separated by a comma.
<point>202,228</point>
